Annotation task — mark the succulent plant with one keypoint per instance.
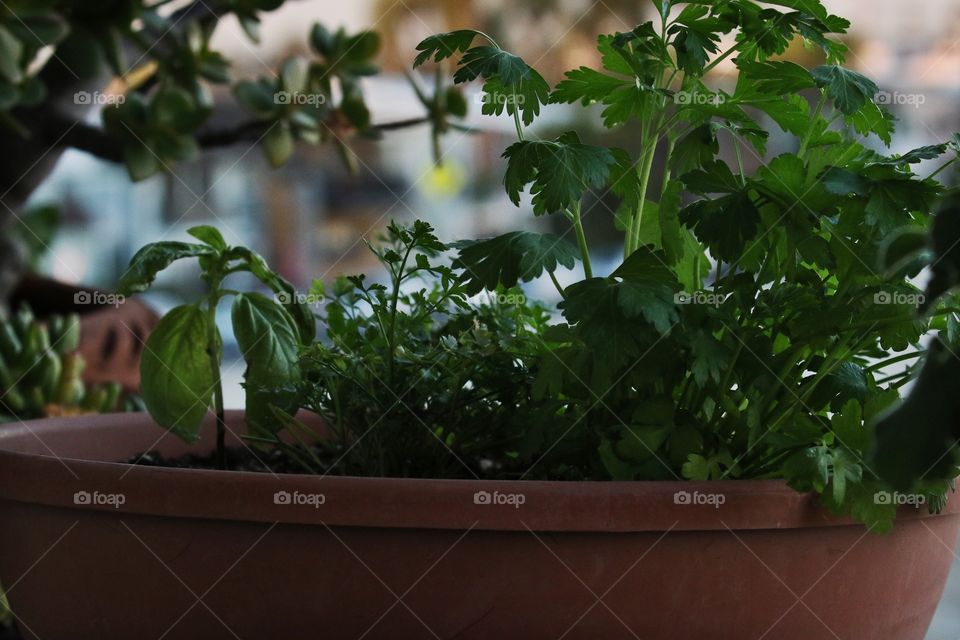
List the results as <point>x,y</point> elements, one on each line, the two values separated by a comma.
<point>41,370</point>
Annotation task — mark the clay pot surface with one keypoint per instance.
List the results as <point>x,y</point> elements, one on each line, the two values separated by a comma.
<point>98,550</point>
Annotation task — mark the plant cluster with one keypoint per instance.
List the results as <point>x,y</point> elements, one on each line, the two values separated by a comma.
<point>167,70</point>
<point>40,371</point>
<point>413,379</point>
<point>749,329</point>
<point>180,365</point>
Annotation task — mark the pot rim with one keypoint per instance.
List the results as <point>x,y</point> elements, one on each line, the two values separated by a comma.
<point>60,475</point>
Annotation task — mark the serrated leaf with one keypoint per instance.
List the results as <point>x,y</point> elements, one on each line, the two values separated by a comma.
<point>558,172</point>
<point>444,45</point>
<point>849,90</point>
<point>519,256</point>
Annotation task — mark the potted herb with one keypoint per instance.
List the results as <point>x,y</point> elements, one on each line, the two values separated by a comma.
<point>682,435</point>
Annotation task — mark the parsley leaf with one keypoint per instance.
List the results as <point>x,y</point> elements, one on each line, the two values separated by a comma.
<point>558,171</point>
<point>849,90</point>
<point>512,257</point>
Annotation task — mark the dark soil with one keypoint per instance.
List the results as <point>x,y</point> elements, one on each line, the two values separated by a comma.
<point>238,459</point>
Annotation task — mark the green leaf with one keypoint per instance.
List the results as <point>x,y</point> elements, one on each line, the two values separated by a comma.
<point>808,470</point>
<point>647,288</point>
<point>697,148</point>
<point>560,171</point>
<point>586,86</point>
<point>792,113</point>
<point>141,162</point>
<point>154,258</point>
<point>209,236</point>
<point>605,310</point>
<point>10,52</point>
<point>285,291</point>
<point>779,77</point>
<point>847,382</point>
<point>849,429</point>
<point>511,85</point>
<point>725,224</point>
<point>278,144</point>
<point>511,258</point>
<point>710,358</point>
<point>872,119</point>
<point>849,90</point>
<point>695,38</point>
<point>846,470</point>
<point>671,232</point>
<point>444,45</point>
<point>269,340</point>
<point>920,154</point>
<point>257,97</point>
<point>622,96</point>
<point>177,377</point>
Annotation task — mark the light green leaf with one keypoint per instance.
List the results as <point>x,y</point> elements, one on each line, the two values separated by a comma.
<point>269,340</point>
<point>177,376</point>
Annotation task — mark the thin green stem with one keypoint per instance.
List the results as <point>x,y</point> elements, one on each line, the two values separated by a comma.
<point>213,352</point>
<point>645,171</point>
<point>813,126</point>
<point>885,363</point>
<point>394,300</point>
<point>556,283</point>
<point>581,239</point>
<point>723,56</point>
<point>943,167</point>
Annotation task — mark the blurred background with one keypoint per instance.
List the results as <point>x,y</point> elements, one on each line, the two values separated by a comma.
<point>311,217</point>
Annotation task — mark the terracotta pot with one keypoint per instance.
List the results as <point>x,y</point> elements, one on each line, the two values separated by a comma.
<point>111,335</point>
<point>97,550</point>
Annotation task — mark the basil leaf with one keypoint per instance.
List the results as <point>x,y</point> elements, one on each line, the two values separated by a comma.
<point>270,342</point>
<point>176,372</point>
<point>154,258</point>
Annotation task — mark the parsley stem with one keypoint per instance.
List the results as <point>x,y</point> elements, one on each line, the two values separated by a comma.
<point>581,239</point>
<point>723,56</point>
<point>556,283</point>
<point>900,358</point>
<point>633,242</point>
<point>813,125</point>
<point>944,166</point>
